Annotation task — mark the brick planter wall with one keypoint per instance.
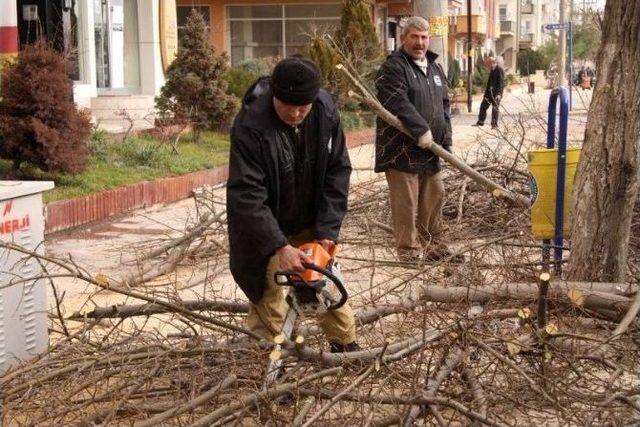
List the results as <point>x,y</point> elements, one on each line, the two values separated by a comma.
<point>65,214</point>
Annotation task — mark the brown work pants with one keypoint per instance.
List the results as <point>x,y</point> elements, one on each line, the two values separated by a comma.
<point>267,317</point>
<point>416,210</point>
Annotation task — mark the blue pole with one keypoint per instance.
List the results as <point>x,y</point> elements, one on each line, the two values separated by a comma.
<point>551,143</point>
<point>560,179</point>
<point>551,119</point>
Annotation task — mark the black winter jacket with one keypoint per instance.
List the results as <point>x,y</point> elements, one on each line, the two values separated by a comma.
<point>421,102</point>
<point>495,84</point>
<point>257,174</point>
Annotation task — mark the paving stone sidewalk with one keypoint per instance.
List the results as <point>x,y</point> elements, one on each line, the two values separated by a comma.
<point>102,247</point>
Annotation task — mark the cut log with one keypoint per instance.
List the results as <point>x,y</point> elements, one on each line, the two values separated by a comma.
<point>604,296</point>
<point>124,311</point>
<point>558,293</point>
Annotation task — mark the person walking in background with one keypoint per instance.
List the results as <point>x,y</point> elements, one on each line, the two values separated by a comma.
<point>412,86</point>
<point>580,78</point>
<point>590,75</point>
<point>492,94</point>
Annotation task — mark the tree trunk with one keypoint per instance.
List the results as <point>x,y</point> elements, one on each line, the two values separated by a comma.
<point>607,179</point>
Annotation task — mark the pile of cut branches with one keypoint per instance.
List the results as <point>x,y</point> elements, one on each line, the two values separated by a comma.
<point>444,343</point>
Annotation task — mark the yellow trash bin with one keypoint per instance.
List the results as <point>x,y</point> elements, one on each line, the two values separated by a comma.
<point>543,166</point>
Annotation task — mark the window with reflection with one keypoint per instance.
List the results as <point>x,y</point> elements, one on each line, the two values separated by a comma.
<point>259,31</point>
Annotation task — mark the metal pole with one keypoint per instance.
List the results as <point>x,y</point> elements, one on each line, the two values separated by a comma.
<point>469,59</point>
<point>551,143</point>
<point>560,181</point>
<point>518,24</point>
<point>562,68</point>
<point>570,65</point>
<point>571,10</point>
<point>563,95</point>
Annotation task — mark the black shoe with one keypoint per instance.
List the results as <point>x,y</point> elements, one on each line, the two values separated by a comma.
<point>478,124</point>
<point>344,348</point>
<point>413,258</point>
<point>494,126</point>
<point>441,252</point>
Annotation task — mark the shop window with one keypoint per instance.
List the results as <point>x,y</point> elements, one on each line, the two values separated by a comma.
<point>72,40</point>
<point>311,10</point>
<point>277,30</point>
<point>255,12</point>
<point>298,32</point>
<point>117,44</point>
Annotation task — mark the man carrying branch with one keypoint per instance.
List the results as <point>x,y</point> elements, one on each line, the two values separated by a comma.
<point>413,87</point>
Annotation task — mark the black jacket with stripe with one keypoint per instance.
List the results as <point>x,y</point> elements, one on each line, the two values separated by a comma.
<point>421,102</point>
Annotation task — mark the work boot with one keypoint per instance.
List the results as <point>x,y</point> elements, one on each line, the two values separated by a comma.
<point>335,347</point>
<point>441,252</point>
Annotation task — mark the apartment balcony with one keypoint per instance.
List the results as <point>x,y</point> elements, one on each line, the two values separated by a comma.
<point>526,41</point>
<point>507,27</point>
<point>478,25</point>
<point>527,7</point>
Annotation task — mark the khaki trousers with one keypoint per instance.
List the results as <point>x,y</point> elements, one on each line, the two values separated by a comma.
<point>416,209</point>
<point>267,317</point>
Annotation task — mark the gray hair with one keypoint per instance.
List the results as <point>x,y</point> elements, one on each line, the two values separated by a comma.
<point>416,22</point>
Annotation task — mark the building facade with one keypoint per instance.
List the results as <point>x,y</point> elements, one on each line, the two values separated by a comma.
<point>8,29</point>
<point>521,23</point>
<point>119,50</point>
<point>248,30</point>
<point>507,44</point>
<point>534,14</point>
<point>275,28</point>
<point>485,30</point>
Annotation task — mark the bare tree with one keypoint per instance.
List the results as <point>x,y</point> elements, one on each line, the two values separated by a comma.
<point>607,178</point>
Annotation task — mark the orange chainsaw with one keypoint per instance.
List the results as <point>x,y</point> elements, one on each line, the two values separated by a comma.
<point>318,288</point>
<point>310,289</point>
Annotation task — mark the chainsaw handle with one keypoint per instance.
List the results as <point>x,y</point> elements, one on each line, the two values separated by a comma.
<point>324,272</point>
<point>334,279</point>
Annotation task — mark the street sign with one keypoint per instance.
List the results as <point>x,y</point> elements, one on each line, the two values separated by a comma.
<point>556,27</point>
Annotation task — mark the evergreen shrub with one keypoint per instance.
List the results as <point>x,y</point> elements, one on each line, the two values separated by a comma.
<point>39,123</point>
<point>195,90</point>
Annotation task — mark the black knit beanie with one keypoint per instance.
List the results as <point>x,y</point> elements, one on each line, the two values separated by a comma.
<point>296,81</point>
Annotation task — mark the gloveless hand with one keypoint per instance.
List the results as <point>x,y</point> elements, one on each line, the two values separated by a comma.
<point>291,259</point>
